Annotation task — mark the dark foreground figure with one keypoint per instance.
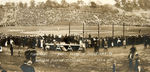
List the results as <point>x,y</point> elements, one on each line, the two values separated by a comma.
<point>26,67</point>
<point>30,54</point>
<point>1,69</point>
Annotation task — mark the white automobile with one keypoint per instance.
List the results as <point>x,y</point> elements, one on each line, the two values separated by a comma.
<point>1,49</point>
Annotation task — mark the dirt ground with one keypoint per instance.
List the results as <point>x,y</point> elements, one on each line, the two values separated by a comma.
<point>57,61</point>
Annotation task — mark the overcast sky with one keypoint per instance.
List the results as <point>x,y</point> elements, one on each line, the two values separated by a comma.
<point>69,1</point>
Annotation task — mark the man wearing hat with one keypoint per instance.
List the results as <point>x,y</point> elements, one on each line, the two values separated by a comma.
<point>27,54</point>
<point>133,50</point>
<point>26,67</point>
<point>11,49</point>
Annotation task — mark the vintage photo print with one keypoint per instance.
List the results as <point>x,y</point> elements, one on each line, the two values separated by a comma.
<point>74,35</point>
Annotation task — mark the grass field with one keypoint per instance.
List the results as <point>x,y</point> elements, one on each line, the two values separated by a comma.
<point>105,30</point>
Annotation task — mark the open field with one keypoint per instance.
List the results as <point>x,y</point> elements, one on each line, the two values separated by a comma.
<point>105,30</point>
<point>55,61</point>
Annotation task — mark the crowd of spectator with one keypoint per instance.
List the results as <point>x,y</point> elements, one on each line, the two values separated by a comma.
<point>90,42</point>
<point>49,16</point>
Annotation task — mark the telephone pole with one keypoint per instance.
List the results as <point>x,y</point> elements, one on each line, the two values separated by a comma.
<point>123,29</point>
<point>83,29</point>
<point>113,29</point>
<point>69,28</point>
<point>98,25</point>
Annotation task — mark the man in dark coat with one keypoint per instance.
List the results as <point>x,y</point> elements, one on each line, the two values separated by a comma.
<point>130,62</point>
<point>114,66</point>
<point>11,49</point>
<point>133,50</point>
<point>96,45</point>
<point>145,41</point>
<point>26,67</point>
<point>27,54</point>
<point>136,63</point>
<point>33,55</point>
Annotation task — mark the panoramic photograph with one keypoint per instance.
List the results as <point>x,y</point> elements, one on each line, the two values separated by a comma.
<point>74,35</point>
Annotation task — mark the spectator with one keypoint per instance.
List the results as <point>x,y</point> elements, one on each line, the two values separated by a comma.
<point>133,50</point>
<point>137,62</point>
<point>33,55</point>
<point>11,49</point>
<point>26,67</point>
<point>27,54</point>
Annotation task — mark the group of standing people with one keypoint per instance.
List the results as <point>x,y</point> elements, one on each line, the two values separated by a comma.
<point>38,41</point>
<point>90,42</point>
<point>134,60</point>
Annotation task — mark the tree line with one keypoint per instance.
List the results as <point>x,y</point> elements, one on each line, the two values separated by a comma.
<point>127,5</point>
<point>49,4</point>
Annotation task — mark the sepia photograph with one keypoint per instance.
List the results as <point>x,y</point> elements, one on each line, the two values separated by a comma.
<point>74,35</point>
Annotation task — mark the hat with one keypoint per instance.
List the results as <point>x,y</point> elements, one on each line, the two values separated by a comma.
<point>25,62</point>
<point>136,54</point>
<point>54,40</point>
<point>29,62</point>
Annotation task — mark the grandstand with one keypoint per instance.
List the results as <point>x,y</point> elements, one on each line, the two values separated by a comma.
<point>55,16</point>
